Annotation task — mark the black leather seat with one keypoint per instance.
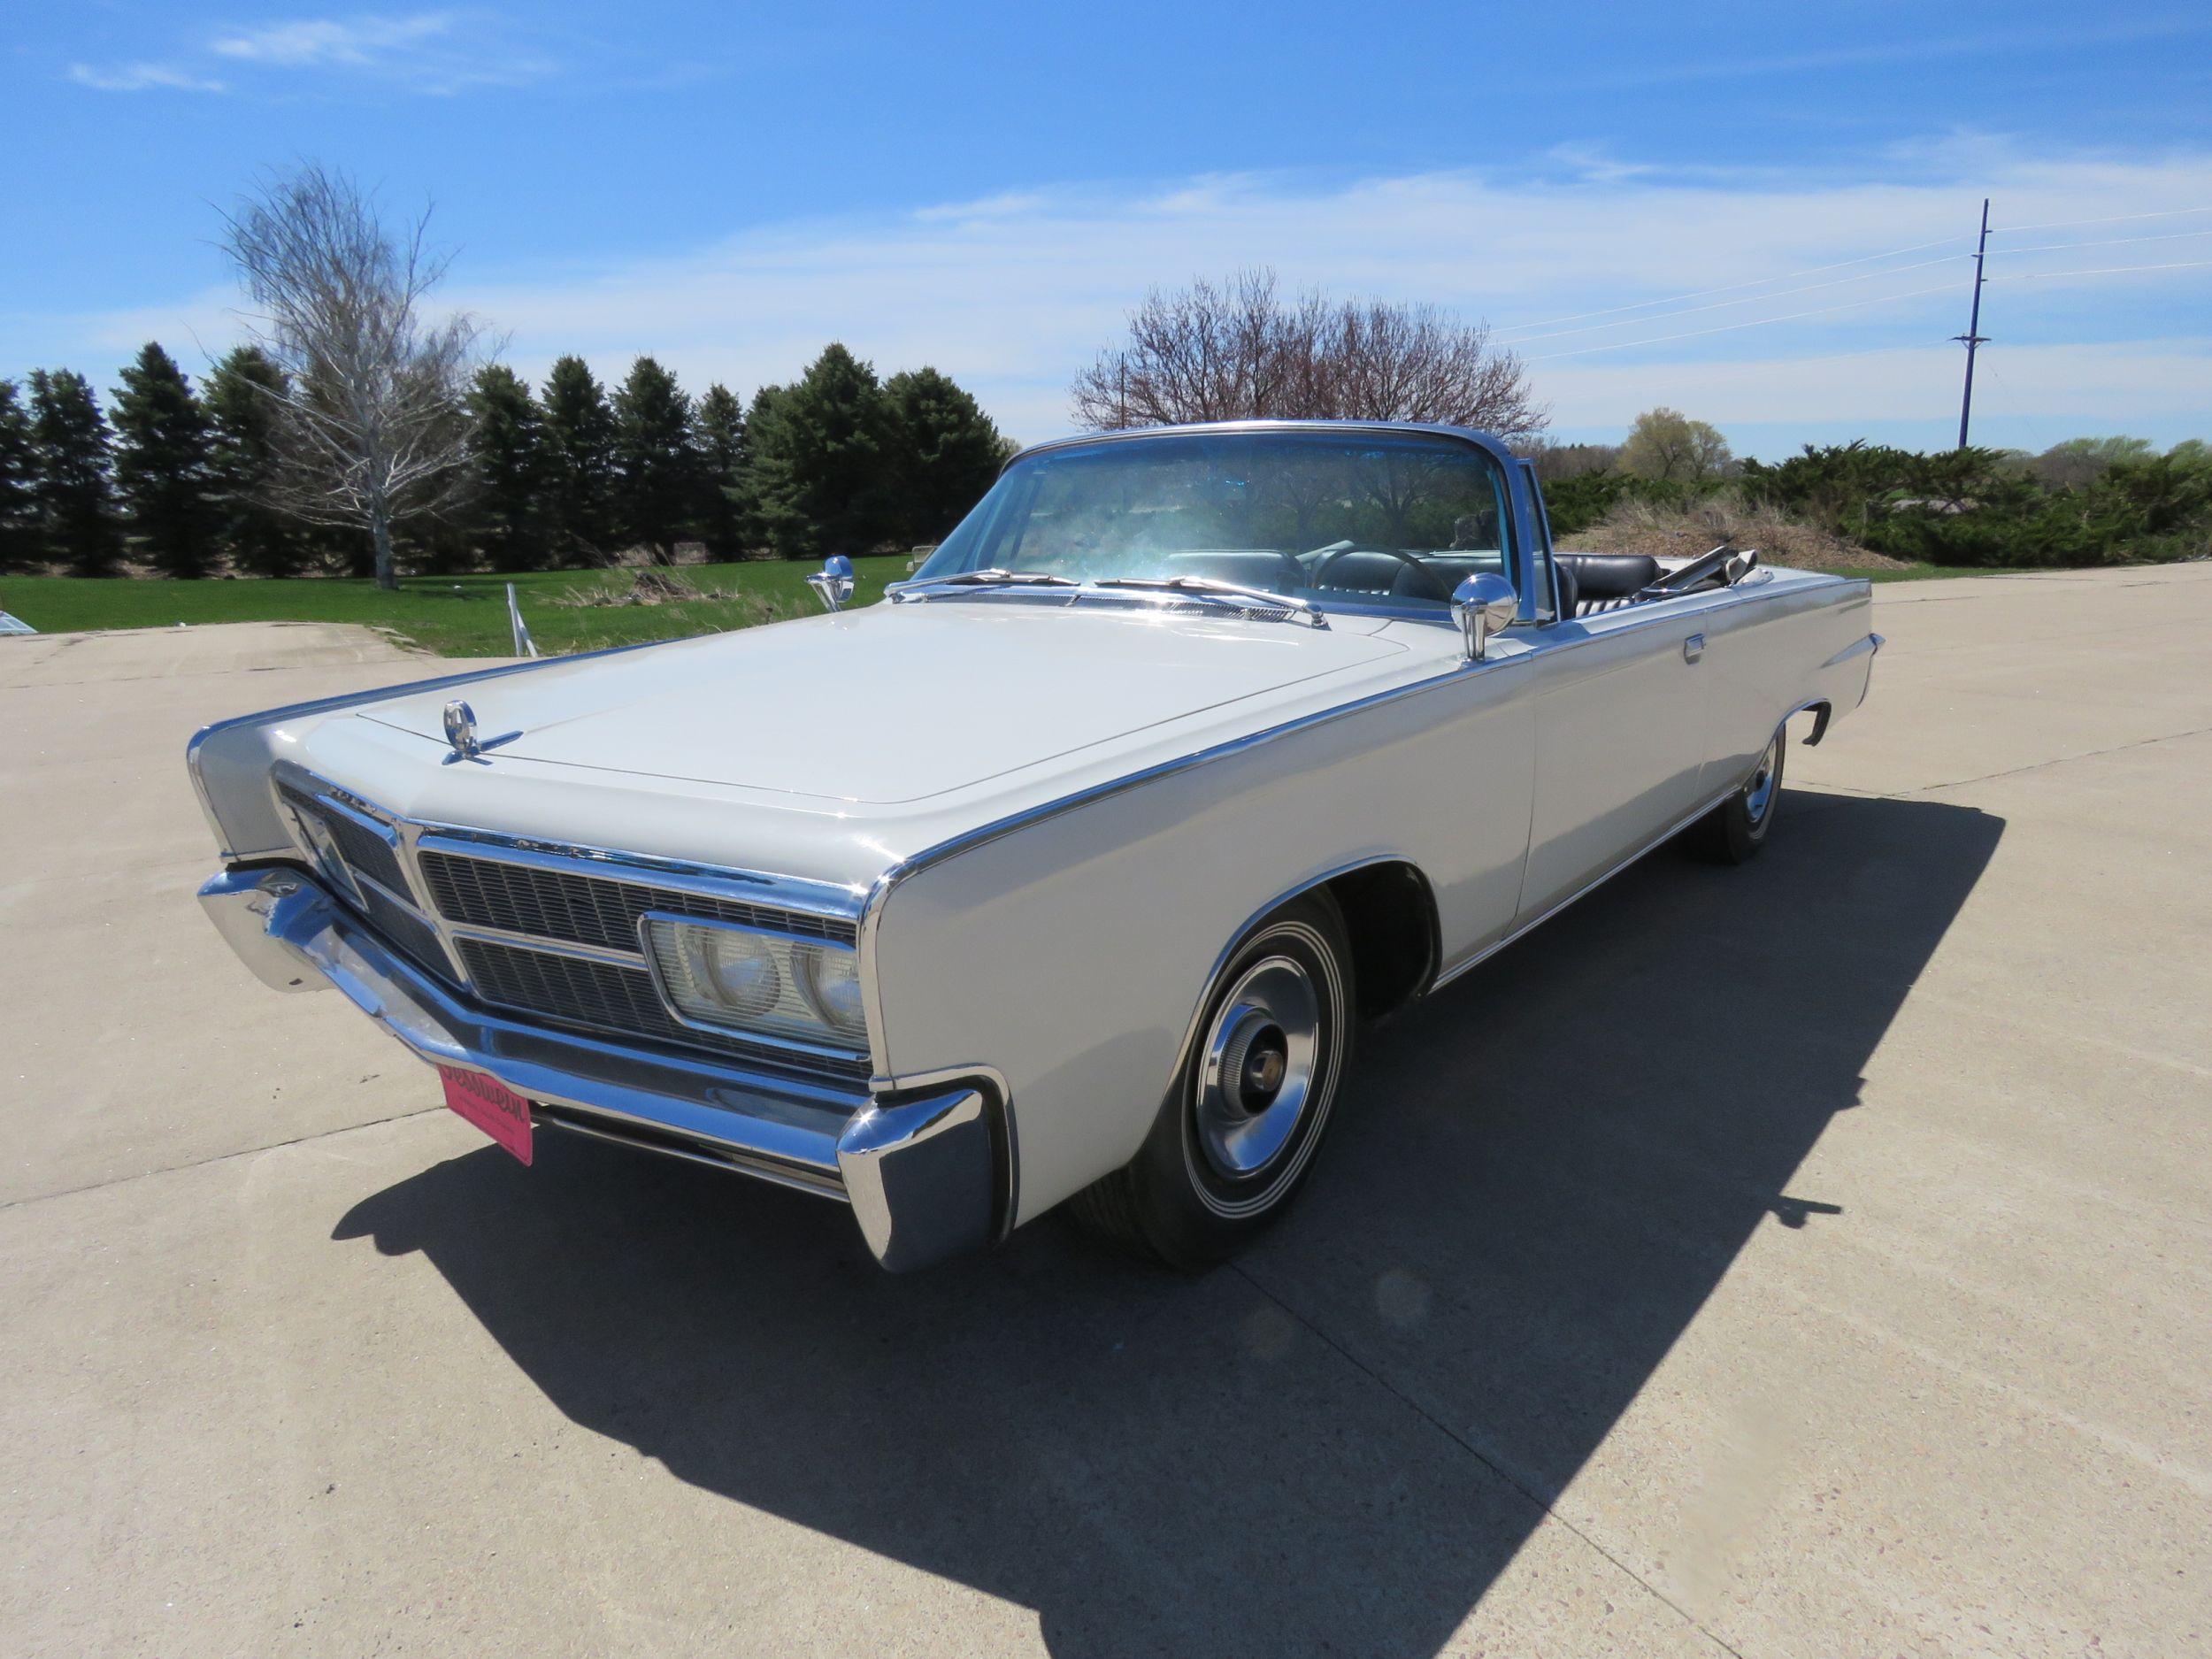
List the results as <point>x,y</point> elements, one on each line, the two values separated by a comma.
<point>1570,591</point>
<point>1603,580</point>
<point>1360,572</point>
<point>1610,575</point>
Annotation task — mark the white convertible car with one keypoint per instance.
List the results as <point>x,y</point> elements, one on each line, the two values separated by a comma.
<point>1066,874</point>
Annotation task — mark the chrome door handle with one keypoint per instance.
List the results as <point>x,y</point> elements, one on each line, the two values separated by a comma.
<point>1694,648</point>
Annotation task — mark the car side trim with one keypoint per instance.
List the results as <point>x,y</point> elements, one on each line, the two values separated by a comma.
<point>968,840</point>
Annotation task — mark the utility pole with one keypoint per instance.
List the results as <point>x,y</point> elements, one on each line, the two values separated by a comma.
<point>1973,336</point>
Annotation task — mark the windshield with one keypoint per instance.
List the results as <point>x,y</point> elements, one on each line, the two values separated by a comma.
<point>1392,518</point>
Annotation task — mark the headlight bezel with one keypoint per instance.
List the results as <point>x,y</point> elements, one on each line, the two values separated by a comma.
<point>680,951</point>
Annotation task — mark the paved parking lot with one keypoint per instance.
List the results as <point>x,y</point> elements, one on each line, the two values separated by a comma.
<point>1810,1259</point>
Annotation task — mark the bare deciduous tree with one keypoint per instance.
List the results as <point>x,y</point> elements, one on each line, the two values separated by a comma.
<point>374,430</point>
<point>1242,351</point>
<point>1557,461</point>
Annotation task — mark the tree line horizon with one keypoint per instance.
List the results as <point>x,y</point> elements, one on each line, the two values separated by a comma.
<point>357,431</point>
<point>182,479</point>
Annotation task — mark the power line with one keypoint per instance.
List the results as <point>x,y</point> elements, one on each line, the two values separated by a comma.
<point>2105,241</point>
<point>2110,270</point>
<point>2116,218</point>
<point>1759,322</point>
<point>1751,299</point>
<point>1731,288</point>
<point>1879,299</point>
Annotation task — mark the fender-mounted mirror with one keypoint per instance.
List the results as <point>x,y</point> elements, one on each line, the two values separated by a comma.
<point>833,584</point>
<point>1481,605</point>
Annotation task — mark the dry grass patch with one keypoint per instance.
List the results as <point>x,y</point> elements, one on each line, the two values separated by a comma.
<point>1685,531</point>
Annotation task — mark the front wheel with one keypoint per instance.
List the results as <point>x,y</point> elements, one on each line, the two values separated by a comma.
<point>1240,1127</point>
<point>1733,832</point>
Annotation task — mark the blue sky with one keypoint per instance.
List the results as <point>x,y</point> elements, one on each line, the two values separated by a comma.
<point>989,188</point>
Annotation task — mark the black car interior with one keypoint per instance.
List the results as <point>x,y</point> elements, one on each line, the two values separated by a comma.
<point>1589,583</point>
<point>1605,581</point>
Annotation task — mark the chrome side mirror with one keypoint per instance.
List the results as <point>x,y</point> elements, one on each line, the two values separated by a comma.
<point>833,584</point>
<point>1481,605</point>
<point>1740,566</point>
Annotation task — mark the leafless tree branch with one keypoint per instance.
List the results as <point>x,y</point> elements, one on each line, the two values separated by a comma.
<point>374,430</point>
<point>1240,350</point>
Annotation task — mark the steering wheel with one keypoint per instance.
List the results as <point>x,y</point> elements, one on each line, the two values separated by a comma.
<point>1429,578</point>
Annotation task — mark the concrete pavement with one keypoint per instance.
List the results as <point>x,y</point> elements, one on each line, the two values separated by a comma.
<point>1809,1259</point>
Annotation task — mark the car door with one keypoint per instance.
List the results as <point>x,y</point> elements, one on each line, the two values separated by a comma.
<point>1620,743</point>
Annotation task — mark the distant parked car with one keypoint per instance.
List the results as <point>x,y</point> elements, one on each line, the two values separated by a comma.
<point>1068,872</point>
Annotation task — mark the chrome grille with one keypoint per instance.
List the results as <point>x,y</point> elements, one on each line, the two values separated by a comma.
<point>408,932</point>
<point>369,853</point>
<point>556,898</point>
<point>610,997</point>
<point>364,851</point>
<point>587,909</point>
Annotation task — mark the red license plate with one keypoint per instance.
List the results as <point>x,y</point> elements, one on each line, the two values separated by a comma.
<point>491,1106</point>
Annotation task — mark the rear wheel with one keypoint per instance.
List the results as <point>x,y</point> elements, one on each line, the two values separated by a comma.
<point>1240,1127</point>
<point>1733,832</point>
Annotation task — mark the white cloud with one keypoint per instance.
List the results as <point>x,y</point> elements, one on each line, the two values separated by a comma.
<point>143,78</point>
<point>2159,380</point>
<point>1012,293</point>
<point>1906,47</point>
<point>429,52</point>
<point>360,42</point>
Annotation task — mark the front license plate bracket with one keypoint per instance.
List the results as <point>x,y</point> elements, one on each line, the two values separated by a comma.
<point>492,1107</point>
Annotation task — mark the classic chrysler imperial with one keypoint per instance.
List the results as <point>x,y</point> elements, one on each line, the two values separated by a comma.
<point>1069,872</point>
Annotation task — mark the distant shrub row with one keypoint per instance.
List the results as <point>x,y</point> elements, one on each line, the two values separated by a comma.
<point>2090,502</point>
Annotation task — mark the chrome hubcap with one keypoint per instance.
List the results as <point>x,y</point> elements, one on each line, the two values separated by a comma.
<point>1256,1071</point>
<point>1758,794</point>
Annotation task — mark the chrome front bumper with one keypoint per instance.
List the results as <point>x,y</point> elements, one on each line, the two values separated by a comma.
<point>925,1174</point>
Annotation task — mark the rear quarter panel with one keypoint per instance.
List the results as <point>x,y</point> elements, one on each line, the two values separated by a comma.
<point>1798,638</point>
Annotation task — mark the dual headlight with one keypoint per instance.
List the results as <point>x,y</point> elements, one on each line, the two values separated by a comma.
<point>736,979</point>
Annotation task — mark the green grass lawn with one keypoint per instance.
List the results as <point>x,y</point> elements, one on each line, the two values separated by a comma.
<point>466,616</point>
<point>451,616</point>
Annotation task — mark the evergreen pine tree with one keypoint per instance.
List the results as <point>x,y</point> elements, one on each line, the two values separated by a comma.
<point>723,516</point>
<point>161,465</point>
<point>822,451</point>
<point>20,541</point>
<point>579,466</point>
<point>507,444</point>
<point>659,482</point>
<point>75,487</point>
<point>245,412</point>
<point>950,453</point>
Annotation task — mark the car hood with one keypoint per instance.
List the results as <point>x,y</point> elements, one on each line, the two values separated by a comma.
<point>891,703</point>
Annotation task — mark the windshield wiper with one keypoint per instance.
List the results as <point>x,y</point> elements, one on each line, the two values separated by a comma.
<point>1233,594</point>
<point>921,587</point>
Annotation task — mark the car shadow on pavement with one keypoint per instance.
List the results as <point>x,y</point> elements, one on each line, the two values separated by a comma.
<point>1536,1179</point>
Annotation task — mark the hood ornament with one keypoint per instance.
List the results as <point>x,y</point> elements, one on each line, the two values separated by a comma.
<point>460,730</point>
<point>833,584</point>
